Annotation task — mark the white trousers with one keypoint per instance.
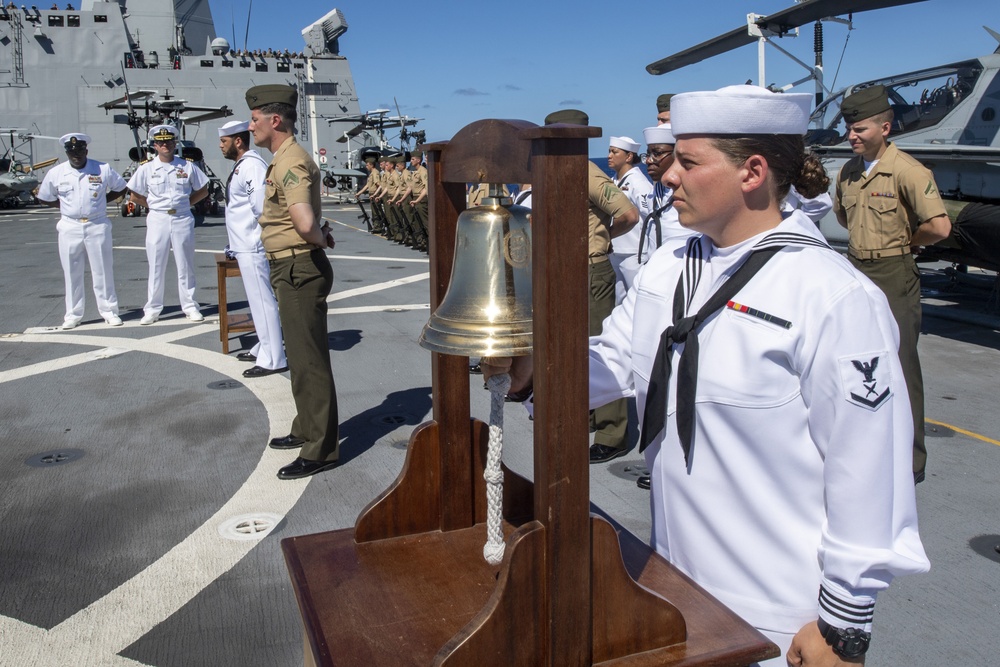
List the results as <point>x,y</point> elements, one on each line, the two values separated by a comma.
<point>163,231</point>
<point>94,239</point>
<point>256,275</point>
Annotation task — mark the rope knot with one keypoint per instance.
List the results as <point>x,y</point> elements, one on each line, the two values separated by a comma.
<point>679,331</point>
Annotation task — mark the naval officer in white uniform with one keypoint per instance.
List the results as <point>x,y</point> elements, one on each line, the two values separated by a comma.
<point>81,189</point>
<point>780,447</point>
<point>244,204</point>
<point>168,186</point>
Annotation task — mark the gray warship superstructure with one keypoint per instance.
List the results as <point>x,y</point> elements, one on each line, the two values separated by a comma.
<point>110,69</point>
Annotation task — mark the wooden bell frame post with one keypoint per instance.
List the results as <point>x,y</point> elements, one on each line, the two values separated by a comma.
<point>409,585</point>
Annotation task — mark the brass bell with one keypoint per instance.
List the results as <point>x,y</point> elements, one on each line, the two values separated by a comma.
<point>487,308</point>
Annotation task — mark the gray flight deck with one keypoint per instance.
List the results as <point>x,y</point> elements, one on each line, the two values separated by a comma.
<point>135,470</point>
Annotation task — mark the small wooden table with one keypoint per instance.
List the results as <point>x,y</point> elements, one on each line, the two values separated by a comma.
<point>229,268</point>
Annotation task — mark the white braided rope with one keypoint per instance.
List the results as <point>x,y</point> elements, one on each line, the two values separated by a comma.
<point>498,385</point>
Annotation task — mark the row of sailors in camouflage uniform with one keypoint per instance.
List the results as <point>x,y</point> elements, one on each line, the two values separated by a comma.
<point>399,198</point>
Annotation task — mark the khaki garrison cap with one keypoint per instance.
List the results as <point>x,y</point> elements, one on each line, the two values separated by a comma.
<point>864,104</point>
<point>568,116</point>
<point>272,93</point>
<point>663,102</point>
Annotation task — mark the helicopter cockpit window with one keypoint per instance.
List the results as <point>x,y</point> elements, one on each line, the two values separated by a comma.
<point>919,100</point>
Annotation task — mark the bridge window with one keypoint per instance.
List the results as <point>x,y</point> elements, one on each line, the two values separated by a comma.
<point>73,20</point>
<point>100,18</point>
<point>261,67</point>
<point>208,63</point>
<point>55,20</point>
<point>321,88</point>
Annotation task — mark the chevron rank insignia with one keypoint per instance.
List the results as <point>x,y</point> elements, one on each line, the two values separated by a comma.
<point>866,380</point>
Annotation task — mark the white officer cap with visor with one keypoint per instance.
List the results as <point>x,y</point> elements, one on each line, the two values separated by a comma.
<point>73,139</point>
<point>740,110</point>
<point>163,133</point>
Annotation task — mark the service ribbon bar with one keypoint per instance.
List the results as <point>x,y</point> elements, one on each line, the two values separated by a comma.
<point>753,312</point>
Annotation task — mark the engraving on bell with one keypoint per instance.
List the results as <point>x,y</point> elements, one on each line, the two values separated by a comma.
<point>487,308</point>
<point>517,248</point>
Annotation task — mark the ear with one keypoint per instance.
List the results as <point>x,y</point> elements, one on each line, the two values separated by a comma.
<point>753,173</point>
<point>886,127</point>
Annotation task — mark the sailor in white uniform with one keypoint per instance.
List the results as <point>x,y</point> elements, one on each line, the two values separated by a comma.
<point>659,222</point>
<point>244,204</point>
<point>780,446</point>
<point>81,188</point>
<point>623,159</point>
<point>169,186</point>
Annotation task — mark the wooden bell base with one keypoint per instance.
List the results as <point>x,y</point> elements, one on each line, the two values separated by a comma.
<point>429,598</point>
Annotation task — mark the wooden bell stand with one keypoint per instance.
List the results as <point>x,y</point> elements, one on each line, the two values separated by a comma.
<point>408,585</point>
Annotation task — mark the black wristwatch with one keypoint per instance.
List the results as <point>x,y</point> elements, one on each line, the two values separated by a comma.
<point>846,642</point>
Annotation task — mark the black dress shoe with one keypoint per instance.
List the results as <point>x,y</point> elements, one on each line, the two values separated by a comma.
<point>644,482</point>
<point>301,467</point>
<point>246,356</point>
<point>603,453</point>
<point>288,442</point>
<point>258,372</point>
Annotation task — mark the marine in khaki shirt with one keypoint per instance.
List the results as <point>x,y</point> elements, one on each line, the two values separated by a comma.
<point>288,181</point>
<point>890,205</point>
<point>884,209</point>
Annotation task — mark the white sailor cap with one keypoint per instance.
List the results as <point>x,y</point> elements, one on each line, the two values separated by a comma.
<point>661,134</point>
<point>234,127</point>
<point>163,133</point>
<point>625,143</point>
<point>740,110</point>
<point>73,139</point>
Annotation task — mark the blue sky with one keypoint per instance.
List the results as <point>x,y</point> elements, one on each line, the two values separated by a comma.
<point>452,63</point>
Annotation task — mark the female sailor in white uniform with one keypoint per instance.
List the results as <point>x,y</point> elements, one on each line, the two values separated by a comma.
<point>781,464</point>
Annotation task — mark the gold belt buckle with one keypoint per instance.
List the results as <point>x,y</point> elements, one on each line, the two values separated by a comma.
<point>84,219</point>
<point>171,211</point>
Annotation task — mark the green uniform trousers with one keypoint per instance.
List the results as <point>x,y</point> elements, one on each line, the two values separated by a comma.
<point>301,284</point>
<point>608,421</point>
<point>899,280</point>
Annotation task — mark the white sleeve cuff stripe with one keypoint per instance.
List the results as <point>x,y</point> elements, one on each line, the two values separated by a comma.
<point>845,613</point>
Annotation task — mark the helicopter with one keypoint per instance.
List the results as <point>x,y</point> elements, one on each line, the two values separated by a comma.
<point>945,116</point>
<point>18,170</point>
<point>167,109</point>
<point>371,127</point>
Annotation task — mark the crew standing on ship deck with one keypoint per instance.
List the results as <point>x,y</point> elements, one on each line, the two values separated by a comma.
<point>301,276</point>
<point>168,186</point>
<point>81,189</point>
<point>244,204</point>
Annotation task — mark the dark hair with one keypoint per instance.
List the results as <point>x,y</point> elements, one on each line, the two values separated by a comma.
<point>286,111</point>
<point>244,137</point>
<point>632,157</point>
<point>786,159</point>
